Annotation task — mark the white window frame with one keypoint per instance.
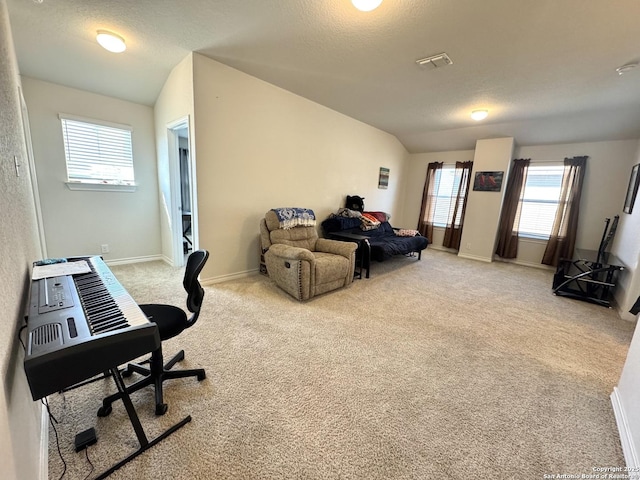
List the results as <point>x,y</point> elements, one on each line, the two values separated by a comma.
<point>102,184</point>
<point>530,197</point>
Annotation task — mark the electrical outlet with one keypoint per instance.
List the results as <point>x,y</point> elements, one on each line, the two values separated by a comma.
<point>105,248</point>
<point>468,245</point>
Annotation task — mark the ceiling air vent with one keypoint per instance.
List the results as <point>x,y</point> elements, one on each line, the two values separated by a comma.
<point>435,61</point>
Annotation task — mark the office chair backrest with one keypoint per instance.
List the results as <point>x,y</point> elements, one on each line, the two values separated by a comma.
<point>195,292</point>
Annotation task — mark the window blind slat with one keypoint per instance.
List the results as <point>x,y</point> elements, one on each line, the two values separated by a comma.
<point>97,152</point>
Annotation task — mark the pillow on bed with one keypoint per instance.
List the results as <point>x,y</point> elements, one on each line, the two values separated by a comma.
<point>369,222</point>
<point>405,232</point>
<point>380,216</point>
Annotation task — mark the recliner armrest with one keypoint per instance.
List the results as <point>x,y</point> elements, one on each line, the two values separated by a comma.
<point>336,247</point>
<point>291,253</point>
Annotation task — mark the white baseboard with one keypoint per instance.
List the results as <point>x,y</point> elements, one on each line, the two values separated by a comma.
<point>628,447</point>
<point>126,261</point>
<point>526,264</point>
<point>475,257</point>
<point>442,249</point>
<point>44,444</point>
<point>230,276</point>
<point>625,315</point>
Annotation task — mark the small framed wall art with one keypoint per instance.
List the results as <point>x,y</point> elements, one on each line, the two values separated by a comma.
<point>383,179</point>
<point>488,181</point>
<point>632,189</point>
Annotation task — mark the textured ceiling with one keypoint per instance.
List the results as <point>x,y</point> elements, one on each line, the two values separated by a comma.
<point>545,69</point>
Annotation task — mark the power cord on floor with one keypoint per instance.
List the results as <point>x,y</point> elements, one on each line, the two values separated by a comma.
<point>53,421</point>
<point>86,451</point>
<point>20,337</point>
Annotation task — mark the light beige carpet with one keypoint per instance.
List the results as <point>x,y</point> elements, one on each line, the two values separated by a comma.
<point>443,368</point>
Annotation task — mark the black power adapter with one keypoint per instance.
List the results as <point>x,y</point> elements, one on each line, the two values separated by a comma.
<point>85,439</point>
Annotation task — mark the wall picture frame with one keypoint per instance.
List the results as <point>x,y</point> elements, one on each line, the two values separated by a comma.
<point>488,181</point>
<point>383,178</point>
<point>632,189</point>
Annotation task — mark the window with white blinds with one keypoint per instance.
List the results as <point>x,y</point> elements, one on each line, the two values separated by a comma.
<point>97,152</point>
<point>446,180</point>
<point>540,200</point>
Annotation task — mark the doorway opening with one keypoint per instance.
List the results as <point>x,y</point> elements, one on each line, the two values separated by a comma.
<point>184,218</point>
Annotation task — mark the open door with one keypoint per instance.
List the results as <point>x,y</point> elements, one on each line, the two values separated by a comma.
<point>183,200</point>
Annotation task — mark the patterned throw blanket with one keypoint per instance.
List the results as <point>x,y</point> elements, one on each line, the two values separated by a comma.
<point>293,217</point>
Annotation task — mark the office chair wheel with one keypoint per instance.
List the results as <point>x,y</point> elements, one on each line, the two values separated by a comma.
<point>201,377</point>
<point>161,408</point>
<point>126,373</point>
<point>104,410</point>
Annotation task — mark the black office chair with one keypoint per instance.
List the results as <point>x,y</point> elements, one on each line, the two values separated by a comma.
<point>171,321</point>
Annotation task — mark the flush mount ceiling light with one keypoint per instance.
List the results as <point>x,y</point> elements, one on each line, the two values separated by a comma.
<point>626,68</point>
<point>478,115</point>
<point>366,5</point>
<point>110,41</point>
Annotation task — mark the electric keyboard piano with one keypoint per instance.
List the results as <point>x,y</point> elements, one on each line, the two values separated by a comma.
<point>81,326</point>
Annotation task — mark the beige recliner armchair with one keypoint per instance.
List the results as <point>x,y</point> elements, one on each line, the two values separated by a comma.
<point>302,264</point>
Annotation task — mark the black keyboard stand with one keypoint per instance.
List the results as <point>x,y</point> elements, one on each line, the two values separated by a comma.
<point>145,444</point>
<point>105,375</point>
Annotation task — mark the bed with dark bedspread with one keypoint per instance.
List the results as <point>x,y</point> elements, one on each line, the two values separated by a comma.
<point>383,240</point>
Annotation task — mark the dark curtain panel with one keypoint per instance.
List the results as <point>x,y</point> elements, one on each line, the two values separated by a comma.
<point>565,226</point>
<point>185,191</point>
<point>507,246</point>
<point>453,231</point>
<point>425,222</point>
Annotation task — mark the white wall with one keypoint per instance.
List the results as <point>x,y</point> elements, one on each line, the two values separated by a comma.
<point>174,102</point>
<point>20,416</point>
<point>625,399</point>
<point>79,222</point>
<point>483,208</point>
<point>260,147</point>
<point>626,246</point>
<point>626,396</point>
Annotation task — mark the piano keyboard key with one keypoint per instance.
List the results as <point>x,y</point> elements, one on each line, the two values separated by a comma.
<point>106,304</point>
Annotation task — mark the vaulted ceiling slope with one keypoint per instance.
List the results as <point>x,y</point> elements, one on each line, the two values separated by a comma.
<point>545,69</point>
